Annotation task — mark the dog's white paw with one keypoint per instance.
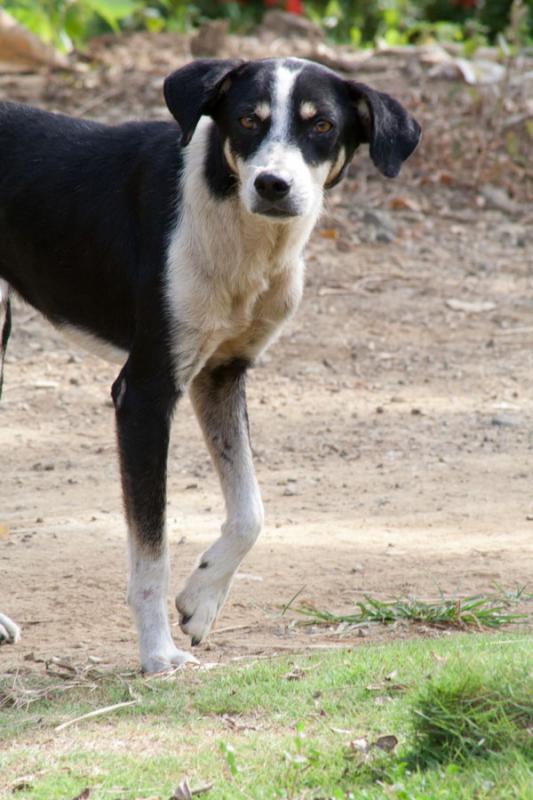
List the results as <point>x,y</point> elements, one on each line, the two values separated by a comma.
<point>199,603</point>
<point>9,631</point>
<point>170,658</point>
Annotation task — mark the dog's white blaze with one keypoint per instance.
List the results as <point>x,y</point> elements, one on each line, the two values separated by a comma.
<point>281,106</point>
<point>4,292</point>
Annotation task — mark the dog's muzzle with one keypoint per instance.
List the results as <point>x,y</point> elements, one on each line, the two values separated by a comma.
<point>273,196</point>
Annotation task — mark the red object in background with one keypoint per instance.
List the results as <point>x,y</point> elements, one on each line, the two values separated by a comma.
<point>292,6</point>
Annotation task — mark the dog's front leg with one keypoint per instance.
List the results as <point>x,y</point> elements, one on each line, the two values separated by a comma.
<point>143,407</point>
<point>219,400</point>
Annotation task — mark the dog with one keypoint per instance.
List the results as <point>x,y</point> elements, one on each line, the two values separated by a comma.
<point>178,248</point>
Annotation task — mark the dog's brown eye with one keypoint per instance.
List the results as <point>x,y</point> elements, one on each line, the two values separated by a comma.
<point>322,126</point>
<point>249,122</point>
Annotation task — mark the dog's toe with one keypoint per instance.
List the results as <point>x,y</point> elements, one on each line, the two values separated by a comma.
<point>162,662</point>
<point>198,624</point>
<point>198,607</point>
<point>9,631</point>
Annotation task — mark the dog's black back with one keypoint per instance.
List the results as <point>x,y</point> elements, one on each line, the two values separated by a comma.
<point>85,207</point>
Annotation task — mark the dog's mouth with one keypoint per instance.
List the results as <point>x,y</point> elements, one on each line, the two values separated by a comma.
<point>275,210</point>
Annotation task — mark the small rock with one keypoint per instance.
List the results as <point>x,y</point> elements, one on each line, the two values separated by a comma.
<point>211,38</point>
<point>470,306</point>
<point>385,236</point>
<point>505,421</point>
<point>497,198</point>
<point>380,219</point>
<point>289,25</point>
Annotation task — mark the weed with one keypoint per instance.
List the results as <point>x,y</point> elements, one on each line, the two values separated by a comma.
<point>477,611</point>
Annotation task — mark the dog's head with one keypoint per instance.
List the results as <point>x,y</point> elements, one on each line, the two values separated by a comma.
<point>288,128</point>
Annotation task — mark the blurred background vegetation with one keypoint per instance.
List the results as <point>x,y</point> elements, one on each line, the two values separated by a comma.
<point>69,24</point>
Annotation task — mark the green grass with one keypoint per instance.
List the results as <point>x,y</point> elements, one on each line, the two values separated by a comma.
<point>476,611</point>
<point>306,728</point>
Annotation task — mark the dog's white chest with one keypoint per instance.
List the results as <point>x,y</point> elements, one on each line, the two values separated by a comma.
<point>221,314</point>
<point>232,277</point>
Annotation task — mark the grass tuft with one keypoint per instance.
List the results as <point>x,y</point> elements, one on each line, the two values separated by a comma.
<point>463,714</point>
<point>477,611</point>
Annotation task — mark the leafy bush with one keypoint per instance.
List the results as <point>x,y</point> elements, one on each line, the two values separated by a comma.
<point>68,23</point>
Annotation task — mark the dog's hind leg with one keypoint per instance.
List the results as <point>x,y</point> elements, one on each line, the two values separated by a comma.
<point>5,312</point>
<point>9,631</point>
<point>219,400</point>
<point>143,407</point>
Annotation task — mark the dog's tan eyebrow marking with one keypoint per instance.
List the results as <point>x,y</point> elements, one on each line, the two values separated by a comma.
<point>308,110</point>
<point>263,110</point>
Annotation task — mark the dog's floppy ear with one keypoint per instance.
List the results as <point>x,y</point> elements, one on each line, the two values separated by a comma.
<point>194,89</point>
<point>390,131</point>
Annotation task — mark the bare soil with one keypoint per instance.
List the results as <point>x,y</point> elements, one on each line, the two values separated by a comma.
<point>392,422</point>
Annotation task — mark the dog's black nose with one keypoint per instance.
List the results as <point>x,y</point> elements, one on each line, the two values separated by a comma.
<point>271,187</point>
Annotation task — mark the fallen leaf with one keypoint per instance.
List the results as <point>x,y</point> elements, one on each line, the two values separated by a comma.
<point>360,745</point>
<point>4,532</point>
<point>328,233</point>
<point>386,687</point>
<point>83,795</point>
<point>381,701</point>
<point>401,203</point>
<point>386,743</point>
<point>446,178</point>
<point>183,791</point>
<point>295,675</point>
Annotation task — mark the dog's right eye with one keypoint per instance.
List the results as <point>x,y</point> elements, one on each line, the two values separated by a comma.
<point>249,122</point>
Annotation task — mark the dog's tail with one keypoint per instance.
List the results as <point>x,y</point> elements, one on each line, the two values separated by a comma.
<point>5,312</point>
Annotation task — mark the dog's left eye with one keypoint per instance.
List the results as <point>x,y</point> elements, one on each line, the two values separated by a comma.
<point>322,126</point>
<point>249,122</point>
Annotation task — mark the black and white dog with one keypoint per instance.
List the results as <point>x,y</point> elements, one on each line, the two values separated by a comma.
<point>180,250</point>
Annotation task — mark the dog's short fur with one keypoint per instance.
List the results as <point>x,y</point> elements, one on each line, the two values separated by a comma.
<point>180,250</point>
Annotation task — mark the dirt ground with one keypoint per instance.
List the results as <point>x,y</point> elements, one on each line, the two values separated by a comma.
<point>392,422</point>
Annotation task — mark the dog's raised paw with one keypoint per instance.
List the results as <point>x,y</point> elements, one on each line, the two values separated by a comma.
<point>198,605</point>
<point>9,631</point>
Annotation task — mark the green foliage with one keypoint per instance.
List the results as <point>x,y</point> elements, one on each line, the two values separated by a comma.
<point>477,611</point>
<point>456,717</point>
<point>68,23</point>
